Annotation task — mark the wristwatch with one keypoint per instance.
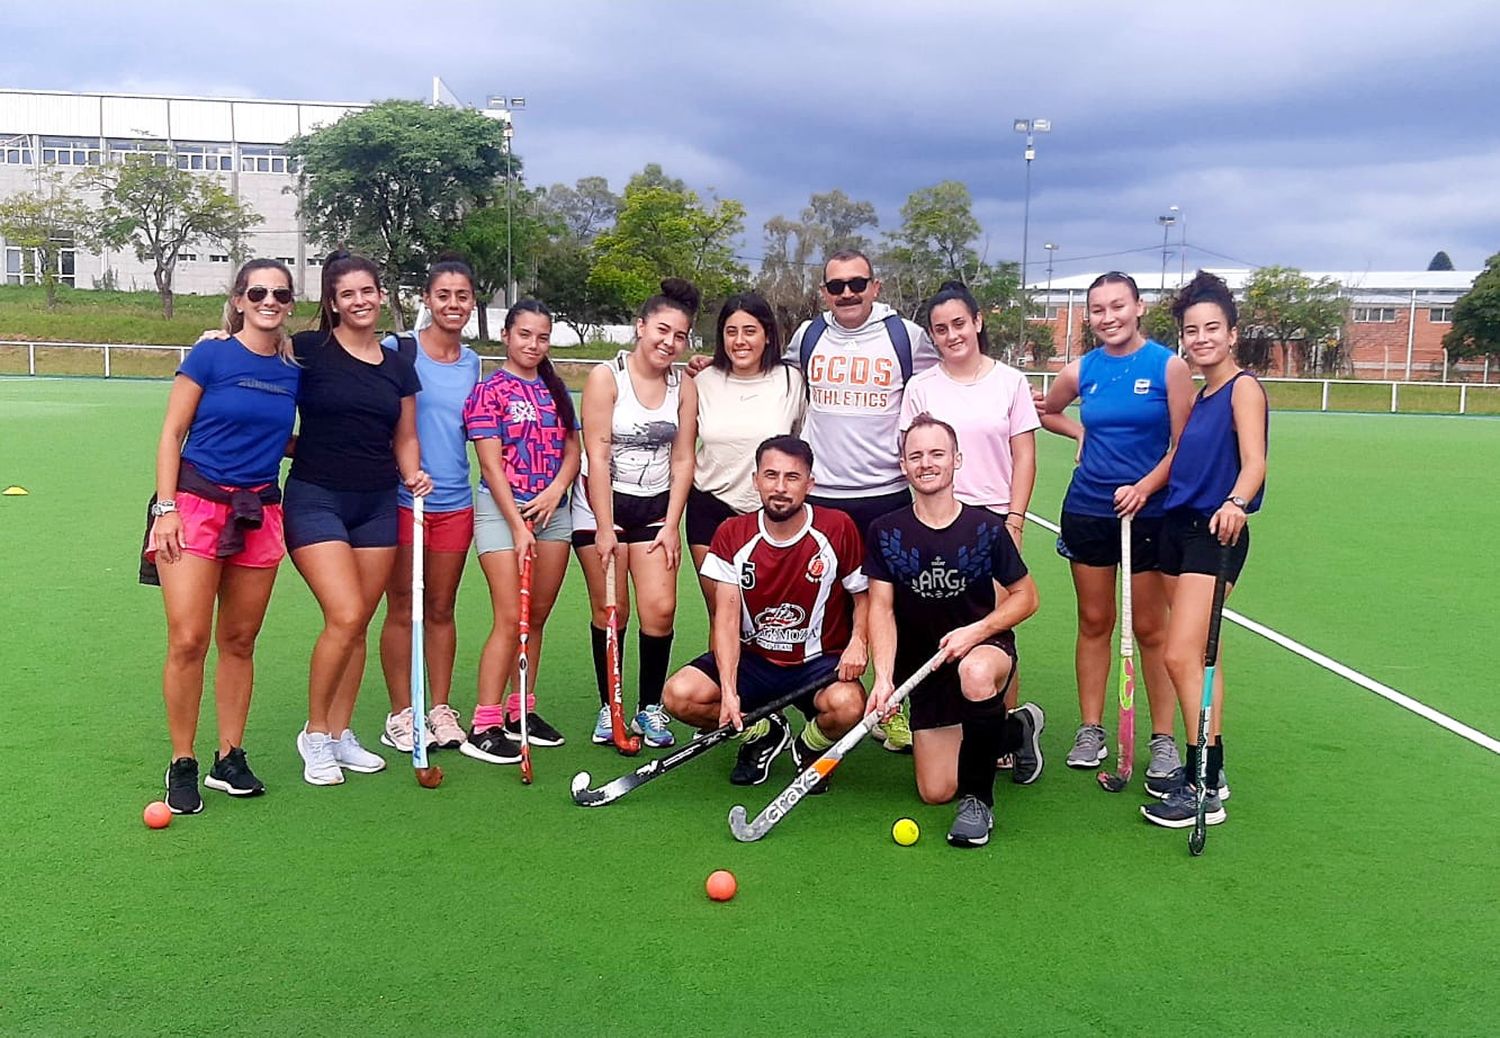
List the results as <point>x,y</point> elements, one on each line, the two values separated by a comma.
<point>1232,500</point>
<point>161,508</point>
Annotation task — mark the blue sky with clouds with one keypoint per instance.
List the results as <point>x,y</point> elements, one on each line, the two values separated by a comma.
<point>1322,134</point>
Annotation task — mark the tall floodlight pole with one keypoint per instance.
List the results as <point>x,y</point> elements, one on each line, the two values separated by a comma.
<point>508,105</point>
<point>1030,127</point>
<point>1166,222</point>
<point>1181,243</point>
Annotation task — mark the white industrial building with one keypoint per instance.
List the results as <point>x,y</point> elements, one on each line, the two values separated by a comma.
<point>241,142</point>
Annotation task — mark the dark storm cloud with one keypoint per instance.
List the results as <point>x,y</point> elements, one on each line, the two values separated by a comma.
<point>1326,135</point>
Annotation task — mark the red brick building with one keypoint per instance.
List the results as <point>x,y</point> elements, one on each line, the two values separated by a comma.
<point>1394,328</point>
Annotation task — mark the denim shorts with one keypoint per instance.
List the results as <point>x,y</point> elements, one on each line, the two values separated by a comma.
<point>492,532</point>
<point>359,518</point>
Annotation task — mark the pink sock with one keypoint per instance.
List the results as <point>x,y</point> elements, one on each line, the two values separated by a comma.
<point>488,717</point>
<point>513,702</point>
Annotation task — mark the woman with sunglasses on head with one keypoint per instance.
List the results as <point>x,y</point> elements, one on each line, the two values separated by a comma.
<point>357,441</point>
<point>216,534</point>
<point>448,371</point>
<point>639,426</point>
<point>748,393</point>
<point>1133,395</point>
<point>1218,480</point>
<point>988,404</point>
<point>524,429</point>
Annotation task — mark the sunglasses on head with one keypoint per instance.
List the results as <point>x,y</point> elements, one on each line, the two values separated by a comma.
<point>836,286</point>
<point>259,292</point>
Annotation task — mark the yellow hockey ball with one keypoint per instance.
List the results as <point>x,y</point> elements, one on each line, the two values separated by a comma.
<point>905,832</point>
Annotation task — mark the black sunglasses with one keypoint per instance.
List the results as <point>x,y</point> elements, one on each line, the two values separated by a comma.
<point>836,286</point>
<point>259,292</point>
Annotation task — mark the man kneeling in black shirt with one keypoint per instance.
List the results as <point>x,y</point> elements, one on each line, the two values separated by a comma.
<point>948,576</point>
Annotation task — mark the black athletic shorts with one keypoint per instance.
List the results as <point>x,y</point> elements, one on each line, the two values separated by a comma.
<point>1090,540</point>
<point>864,510</point>
<point>939,700</point>
<point>759,681</point>
<point>705,513</point>
<point>637,519</point>
<point>1188,547</point>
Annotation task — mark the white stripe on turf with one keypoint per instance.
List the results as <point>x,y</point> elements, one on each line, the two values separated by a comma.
<point>1401,699</point>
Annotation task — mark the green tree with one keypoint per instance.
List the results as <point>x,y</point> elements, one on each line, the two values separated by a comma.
<point>502,246</point>
<point>42,223</point>
<point>789,271</point>
<point>934,243</point>
<point>664,230</point>
<point>1440,261</point>
<point>396,180</point>
<point>159,210</point>
<point>576,298</point>
<point>1305,317</point>
<point>834,221</point>
<point>1159,324</point>
<point>1476,317</point>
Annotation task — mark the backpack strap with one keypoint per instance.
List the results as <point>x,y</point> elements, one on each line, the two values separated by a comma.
<point>406,345</point>
<point>895,327</point>
<point>815,329</point>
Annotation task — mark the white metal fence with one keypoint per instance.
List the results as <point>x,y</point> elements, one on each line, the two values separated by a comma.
<point>135,360</point>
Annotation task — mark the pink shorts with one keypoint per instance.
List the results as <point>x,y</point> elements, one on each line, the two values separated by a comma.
<point>446,531</point>
<point>203,521</point>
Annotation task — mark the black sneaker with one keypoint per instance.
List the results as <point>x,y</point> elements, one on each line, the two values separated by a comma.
<point>538,731</point>
<point>1163,786</point>
<point>803,755</point>
<point>1027,761</point>
<point>182,787</point>
<point>493,746</point>
<point>231,774</point>
<point>753,765</point>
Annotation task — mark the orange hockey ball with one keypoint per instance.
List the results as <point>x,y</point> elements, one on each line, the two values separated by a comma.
<point>157,815</point>
<point>721,885</point>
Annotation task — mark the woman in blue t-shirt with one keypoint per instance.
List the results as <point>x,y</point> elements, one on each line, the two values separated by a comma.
<point>448,371</point>
<point>216,535</point>
<point>356,443</point>
<point>1133,396</point>
<point>1218,479</point>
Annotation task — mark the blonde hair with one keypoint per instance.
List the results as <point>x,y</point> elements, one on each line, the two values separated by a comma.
<point>234,320</point>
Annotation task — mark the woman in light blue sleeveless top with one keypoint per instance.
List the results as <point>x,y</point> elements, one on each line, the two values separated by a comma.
<point>1217,480</point>
<point>1134,396</point>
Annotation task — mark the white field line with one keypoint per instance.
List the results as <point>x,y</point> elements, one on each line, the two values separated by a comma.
<point>1364,681</point>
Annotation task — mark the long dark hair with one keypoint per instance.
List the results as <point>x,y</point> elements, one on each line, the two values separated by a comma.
<point>561,398</point>
<point>758,308</point>
<point>339,263</point>
<point>947,293</point>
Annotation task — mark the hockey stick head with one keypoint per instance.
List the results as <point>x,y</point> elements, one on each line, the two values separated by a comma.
<point>1114,783</point>
<point>1195,841</point>
<point>739,826</point>
<point>526,766</point>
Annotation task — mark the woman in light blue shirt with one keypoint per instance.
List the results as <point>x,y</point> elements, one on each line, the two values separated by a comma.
<point>448,371</point>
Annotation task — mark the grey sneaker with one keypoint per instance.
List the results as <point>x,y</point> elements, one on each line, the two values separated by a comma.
<point>1164,758</point>
<point>1026,766</point>
<point>1089,749</point>
<point>972,824</point>
<point>1180,809</point>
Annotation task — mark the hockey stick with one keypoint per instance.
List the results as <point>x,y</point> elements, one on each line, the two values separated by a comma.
<point>426,776</point>
<point>821,768</point>
<point>1206,705</point>
<point>1126,756</point>
<point>523,666</point>
<point>611,791</point>
<point>629,745</point>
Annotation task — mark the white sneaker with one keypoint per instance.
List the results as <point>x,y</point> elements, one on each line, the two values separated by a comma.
<point>350,754</point>
<point>319,767</point>
<point>444,727</point>
<point>397,731</point>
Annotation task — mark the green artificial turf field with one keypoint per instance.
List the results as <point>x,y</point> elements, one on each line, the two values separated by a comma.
<point>1352,890</point>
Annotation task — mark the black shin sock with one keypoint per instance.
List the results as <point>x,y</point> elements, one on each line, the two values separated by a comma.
<point>598,636</point>
<point>1216,765</point>
<point>656,657</point>
<point>984,732</point>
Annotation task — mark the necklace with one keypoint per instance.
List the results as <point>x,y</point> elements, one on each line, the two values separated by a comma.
<point>980,371</point>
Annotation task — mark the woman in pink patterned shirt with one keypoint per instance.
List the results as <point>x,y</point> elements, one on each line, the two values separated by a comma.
<point>524,429</point>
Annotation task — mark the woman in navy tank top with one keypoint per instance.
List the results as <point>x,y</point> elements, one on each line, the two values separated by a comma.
<point>1217,480</point>
<point>1133,396</point>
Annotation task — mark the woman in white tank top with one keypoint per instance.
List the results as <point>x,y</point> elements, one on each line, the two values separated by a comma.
<point>639,425</point>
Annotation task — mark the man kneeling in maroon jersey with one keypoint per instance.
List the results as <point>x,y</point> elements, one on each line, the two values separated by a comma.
<point>789,612</point>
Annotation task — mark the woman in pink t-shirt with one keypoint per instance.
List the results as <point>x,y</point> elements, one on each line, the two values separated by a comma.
<point>989,404</point>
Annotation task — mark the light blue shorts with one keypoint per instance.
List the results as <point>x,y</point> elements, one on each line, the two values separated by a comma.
<point>492,532</point>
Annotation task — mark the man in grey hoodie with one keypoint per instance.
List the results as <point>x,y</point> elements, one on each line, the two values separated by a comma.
<point>857,357</point>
